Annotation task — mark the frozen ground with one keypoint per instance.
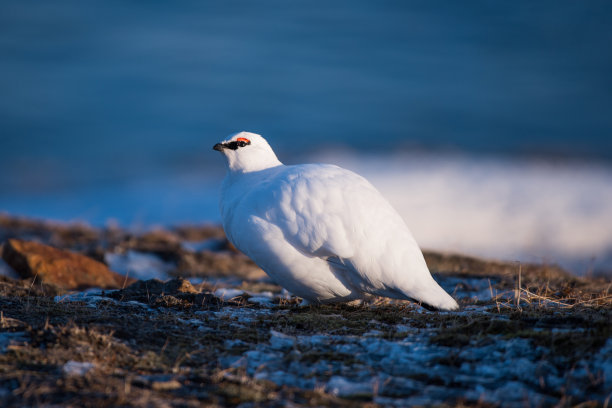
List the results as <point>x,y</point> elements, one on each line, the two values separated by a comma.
<point>240,339</point>
<point>392,354</point>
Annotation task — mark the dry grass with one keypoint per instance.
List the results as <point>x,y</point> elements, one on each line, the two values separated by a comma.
<point>156,344</point>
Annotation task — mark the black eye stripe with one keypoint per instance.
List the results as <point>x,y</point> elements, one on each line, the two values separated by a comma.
<point>236,144</point>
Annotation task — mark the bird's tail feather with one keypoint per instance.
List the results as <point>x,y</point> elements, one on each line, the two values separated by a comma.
<point>436,297</point>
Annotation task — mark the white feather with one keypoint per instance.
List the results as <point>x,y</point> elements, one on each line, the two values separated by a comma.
<point>321,231</point>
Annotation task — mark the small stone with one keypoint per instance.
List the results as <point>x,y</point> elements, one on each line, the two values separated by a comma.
<point>65,269</point>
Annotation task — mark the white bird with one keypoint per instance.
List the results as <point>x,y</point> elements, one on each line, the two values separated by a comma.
<point>322,232</point>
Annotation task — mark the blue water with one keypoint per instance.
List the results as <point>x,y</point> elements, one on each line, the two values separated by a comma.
<point>103,91</point>
<point>109,109</point>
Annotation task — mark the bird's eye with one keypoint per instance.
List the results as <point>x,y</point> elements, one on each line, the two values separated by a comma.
<point>242,141</point>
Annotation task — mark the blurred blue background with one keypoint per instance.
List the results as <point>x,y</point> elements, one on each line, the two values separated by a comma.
<point>109,109</point>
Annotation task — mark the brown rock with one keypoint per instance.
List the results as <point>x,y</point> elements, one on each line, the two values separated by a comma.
<point>67,270</point>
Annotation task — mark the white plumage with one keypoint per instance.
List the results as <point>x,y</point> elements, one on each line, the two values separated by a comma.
<point>321,231</point>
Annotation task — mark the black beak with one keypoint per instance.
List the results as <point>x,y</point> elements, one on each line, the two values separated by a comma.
<point>219,147</point>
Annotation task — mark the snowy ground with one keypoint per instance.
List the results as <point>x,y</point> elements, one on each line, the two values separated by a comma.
<point>239,339</point>
<point>393,354</point>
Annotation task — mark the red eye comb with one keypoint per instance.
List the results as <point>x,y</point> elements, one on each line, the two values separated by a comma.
<point>243,139</point>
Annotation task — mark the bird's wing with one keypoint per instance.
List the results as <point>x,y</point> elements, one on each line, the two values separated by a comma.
<point>327,211</point>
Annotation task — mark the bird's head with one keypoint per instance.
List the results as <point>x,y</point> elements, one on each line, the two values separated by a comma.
<point>246,152</point>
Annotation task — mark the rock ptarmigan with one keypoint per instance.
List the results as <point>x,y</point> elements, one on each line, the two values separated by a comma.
<point>322,232</point>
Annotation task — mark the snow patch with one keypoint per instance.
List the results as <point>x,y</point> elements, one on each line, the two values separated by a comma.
<point>341,387</point>
<point>261,300</point>
<point>9,339</point>
<point>228,293</point>
<point>280,341</point>
<point>139,265</point>
<point>213,244</point>
<point>77,368</point>
<point>6,270</point>
<point>89,296</point>
<point>558,212</point>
